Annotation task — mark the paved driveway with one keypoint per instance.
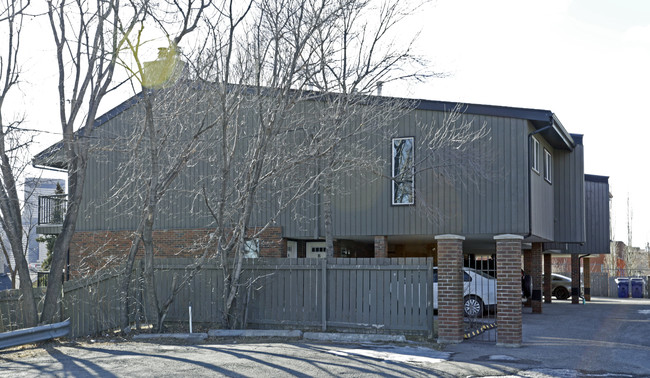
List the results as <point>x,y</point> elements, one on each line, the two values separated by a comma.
<point>605,337</point>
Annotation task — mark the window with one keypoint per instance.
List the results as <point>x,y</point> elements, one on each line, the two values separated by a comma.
<point>403,171</point>
<point>535,156</point>
<point>548,163</point>
<point>251,248</point>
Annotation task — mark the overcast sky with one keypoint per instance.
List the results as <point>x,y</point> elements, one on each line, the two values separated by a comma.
<point>588,61</point>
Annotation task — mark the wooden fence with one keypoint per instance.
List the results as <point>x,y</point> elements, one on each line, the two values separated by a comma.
<point>368,295</point>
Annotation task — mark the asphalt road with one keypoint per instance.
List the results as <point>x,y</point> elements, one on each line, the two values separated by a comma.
<point>604,338</point>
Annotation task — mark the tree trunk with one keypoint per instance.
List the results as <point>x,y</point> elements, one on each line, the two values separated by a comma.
<point>125,283</point>
<point>12,225</point>
<point>76,180</point>
<point>30,312</point>
<point>327,215</point>
<point>151,298</point>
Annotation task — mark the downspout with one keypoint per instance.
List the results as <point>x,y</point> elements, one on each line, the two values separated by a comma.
<point>530,200</point>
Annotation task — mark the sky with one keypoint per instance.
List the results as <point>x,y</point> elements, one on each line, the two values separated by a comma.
<point>588,61</point>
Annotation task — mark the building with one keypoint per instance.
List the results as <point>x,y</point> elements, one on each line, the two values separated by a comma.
<point>531,199</point>
<point>36,187</point>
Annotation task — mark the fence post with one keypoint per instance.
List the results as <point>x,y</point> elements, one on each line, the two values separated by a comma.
<point>324,293</point>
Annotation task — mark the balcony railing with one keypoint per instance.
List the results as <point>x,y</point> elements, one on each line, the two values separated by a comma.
<point>52,209</point>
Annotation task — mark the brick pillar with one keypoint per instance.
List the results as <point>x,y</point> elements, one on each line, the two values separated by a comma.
<point>536,275</point>
<point>575,278</point>
<point>381,246</point>
<point>450,288</point>
<point>528,269</point>
<point>587,278</point>
<point>509,290</point>
<point>548,269</point>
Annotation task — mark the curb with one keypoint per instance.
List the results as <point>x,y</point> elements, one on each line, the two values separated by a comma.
<point>353,337</point>
<point>254,333</point>
<point>183,336</point>
<point>289,334</point>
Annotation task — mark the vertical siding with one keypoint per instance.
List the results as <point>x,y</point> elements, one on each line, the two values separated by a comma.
<point>543,192</point>
<point>488,206</point>
<point>569,196</point>
<point>362,206</point>
<point>597,217</point>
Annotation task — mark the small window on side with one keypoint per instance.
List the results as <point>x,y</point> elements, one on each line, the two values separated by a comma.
<point>548,166</point>
<point>535,156</point>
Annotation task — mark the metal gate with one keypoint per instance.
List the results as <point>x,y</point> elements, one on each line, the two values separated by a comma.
<point>480,297</point>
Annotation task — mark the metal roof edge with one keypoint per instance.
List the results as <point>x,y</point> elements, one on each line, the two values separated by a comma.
<point>112,113</point>
<point>596,178</point>
<point>488,110</point>
<point>561,131</point>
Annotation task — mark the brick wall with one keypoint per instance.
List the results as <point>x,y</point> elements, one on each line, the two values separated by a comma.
<point>93,250</point>
<point>536,274</point>
<point>450,288</point>
<point>381,246</point>
<point>575,279</point>
<point>509,290</point>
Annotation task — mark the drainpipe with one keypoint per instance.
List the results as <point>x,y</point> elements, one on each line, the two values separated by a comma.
<point>530,201</point>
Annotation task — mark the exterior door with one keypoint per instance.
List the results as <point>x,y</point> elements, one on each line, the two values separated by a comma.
<point>316,250</point>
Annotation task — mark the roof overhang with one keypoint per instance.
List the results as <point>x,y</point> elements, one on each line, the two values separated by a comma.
<point>556,135</point>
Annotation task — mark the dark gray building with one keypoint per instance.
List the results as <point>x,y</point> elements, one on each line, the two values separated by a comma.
<point>533,186</point>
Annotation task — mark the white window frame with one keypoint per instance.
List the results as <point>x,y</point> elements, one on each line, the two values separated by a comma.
<point>548,166</point>
<point>394,183</point>
<point>535,153</point>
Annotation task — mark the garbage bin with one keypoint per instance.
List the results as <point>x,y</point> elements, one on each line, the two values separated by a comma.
<point>623,284</point>
<point>636,287</point>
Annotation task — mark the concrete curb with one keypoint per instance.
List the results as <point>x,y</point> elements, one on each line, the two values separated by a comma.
<point>287,334</point>
<point>254,333</point>
<point>353,337</point>
<point>183,336</point>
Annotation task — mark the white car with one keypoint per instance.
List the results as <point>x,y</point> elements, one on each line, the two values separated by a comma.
<point>480,291</point>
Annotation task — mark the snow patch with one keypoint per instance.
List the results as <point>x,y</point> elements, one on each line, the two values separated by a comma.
<point>502,357</point>
<point>644,312</point>
<point>564,373</point>
<point>397,354</point>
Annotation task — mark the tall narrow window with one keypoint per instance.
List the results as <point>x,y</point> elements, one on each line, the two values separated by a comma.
<point>251,248</point>
<point>535,155</point>
<point>403,171</point>
<point>548,164</point>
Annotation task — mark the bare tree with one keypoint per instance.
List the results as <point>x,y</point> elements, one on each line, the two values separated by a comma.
<point>13,143</point>
<point>355,55</point>
<point>88,39</point>
<point>163,141</point>
<point>636,260</point>
<point>262,148</point>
